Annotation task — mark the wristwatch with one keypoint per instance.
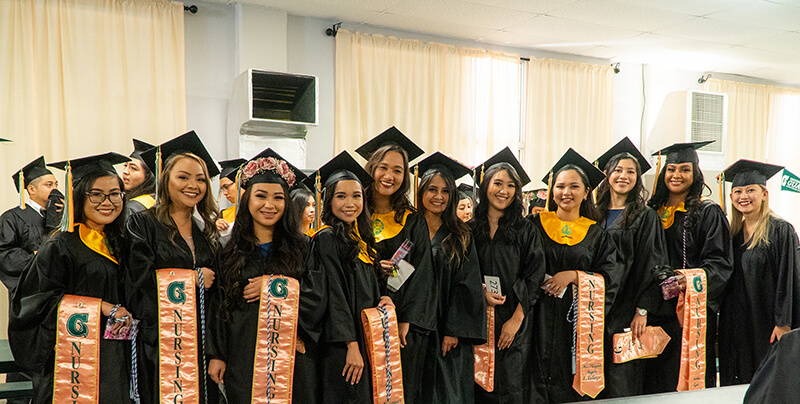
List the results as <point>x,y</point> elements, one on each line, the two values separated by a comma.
<point>641,312</point>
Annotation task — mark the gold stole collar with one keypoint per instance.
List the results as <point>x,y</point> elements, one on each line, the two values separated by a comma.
<point>363,255</point>
<point>667,214</point>
<point>569,233</point>
<point>384,227</point>
<point>96,241</point>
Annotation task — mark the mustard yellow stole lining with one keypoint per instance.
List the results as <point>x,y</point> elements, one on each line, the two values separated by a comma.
<point>667,214</point>
<point>569,233</point>
<point>363,255</point>
<point>95,240</point>
<point>384,227</point>
<point>146,200</point>
<point>229,214</point>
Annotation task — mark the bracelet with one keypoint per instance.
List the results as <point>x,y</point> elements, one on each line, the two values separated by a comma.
<point>123,318</point>
<point>114,311</point>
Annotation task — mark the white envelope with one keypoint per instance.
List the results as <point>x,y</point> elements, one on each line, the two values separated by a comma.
<point>404,270</point>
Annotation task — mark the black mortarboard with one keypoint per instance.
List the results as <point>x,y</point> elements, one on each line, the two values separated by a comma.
<point>539,198</point>
<point>623,146</point>
<point>85,165</point>
<point>682,152</point>
<point>259,178</point>
<point>187,142</point>
<point>30,172</point>
<point>230,167</point>
<point>343,166</point>
<point>140,147</point>
<point>572,157</point>
<point>467,190</point>
<point>504,156</point>
<point>455,167</point>
<point>749,172</point>
<point>390,136</point>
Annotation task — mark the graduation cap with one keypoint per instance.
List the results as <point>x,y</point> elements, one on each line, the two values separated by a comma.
<point>682,152</point>
<point>187,142</point>
<point>30,172</point>
<point>264,167</point>
<point>387,137</point>
<point>78,168</point>
<point>230,168</point>
<point>140,147</point>
<point>539,197</point>
<point>441,160</point>
<point>749,172</point>
<point>623,146</point>
<point>343,166</point>
<point>466,191</point>
<point>572,157</point>
<point>504,156</point>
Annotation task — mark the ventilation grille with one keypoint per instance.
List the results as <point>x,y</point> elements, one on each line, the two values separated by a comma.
<point>708,118</point>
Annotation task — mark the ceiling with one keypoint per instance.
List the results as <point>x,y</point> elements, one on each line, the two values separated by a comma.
<point>756,38</point>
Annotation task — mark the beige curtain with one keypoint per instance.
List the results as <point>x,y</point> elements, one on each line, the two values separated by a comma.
<point>463,102</point>
<point>567,104</point>
<point>85,76</point>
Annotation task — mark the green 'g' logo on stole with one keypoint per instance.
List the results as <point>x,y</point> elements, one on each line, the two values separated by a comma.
<point>76,325</point>
<point>176,292</point>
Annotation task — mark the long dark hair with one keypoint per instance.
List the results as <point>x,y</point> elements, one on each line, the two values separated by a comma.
<point>456,243</point>
<point>512,215</point>
<point>399,199</point>
<point>587,210</point>
<point>148,186</point>
<point>114,231</point>
<point>285,255</point>
<point>635,200</point>
<point>344,231</point>
<point>300,197</point>
<point>693,198</point>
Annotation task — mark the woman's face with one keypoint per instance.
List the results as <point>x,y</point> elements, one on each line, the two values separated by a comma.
<point>389,174</point>
<point>348,200</point>
<point>98,214</point>
<point>132,174</point>
<point>309,212</point>
<point>623,178</point>
<point>464,209</point>
<point>679,177</point>
<point>748,199</point>
<point>187,183</point>
<point>267,204</point>
<point>501,190</point>
<point>569,191</point>
<point>436,195</point>
<point>228,188</point>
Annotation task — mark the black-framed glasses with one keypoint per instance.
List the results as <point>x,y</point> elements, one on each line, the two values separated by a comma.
<point>99,197</point>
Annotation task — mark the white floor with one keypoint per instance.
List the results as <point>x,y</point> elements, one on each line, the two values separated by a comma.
<point>718,395</point>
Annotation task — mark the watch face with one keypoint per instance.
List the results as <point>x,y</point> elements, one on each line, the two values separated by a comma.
<point>642,312</point>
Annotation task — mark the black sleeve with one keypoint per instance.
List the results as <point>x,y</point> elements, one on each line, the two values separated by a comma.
<point>13,256</point>
<point>313,297</point>
<point>412,301</point>
<point>466,310</point>
<point>606,262</point>
<point>139,269</point>
<point>532,267</point>
<point>218,329</point>
<point>784,248</point>
<point>340,321</point>
<point>651,251</point>
<point>716,254</point>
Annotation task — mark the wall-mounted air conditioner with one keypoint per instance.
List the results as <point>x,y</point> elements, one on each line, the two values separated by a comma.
<point>271,109</point>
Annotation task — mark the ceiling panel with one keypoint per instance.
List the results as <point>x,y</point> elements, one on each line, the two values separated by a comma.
<point>477,15</point>
<point>429,26</point>
<point>516,39</point>
<point>621,15</point>
<point>569,31</point>
<point>691,7</point>
<point>705,29</point>
<point>531,6</point>
<point>763,14</point>
<point>787,44</point>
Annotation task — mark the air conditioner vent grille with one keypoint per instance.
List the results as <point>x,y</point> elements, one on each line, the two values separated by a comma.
<point>707,120</point>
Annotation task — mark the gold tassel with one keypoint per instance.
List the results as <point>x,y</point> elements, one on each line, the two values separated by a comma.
<point>549,190</point>
<point>416,184</point>
<point>721,181</point>
<point>22,190</point>
<point>158,170</point>
<point>238,184</point>
<point>658,172</point>
<point>67,215</point>
<point>317,208</point>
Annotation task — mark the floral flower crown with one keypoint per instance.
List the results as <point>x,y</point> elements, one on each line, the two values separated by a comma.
<point>264,164</point>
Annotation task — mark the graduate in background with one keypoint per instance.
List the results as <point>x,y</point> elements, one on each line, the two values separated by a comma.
<point>509,248</point>
<point>344,249</point>
<point>139,181</point>
<point>168,236</point>
<point>81,261</point>
<point>573,241</point>
<point>697,236</point>
<point>466,202</point>
<point>229,188</point>
<point>762,299</point>
<point>303,201</point>
<point>460,306</point>
<point>639,238</point>
<point>388,155</point>
<point>264,242</point>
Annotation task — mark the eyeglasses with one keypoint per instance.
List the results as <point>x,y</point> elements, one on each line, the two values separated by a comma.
<point>99,197</point>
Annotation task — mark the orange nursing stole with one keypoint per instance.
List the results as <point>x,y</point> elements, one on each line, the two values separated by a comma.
<point>273,369</point>
<point>692,315</point>
<point>383,349</point>
<point>77,359</point>
<point>178,369</point>
<point>484,355</point>
<point>589,377</point>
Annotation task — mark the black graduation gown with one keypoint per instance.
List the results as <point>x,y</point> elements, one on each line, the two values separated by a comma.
<point>413,301</point>
<point>763,292</point>
<point>461,313</point>
<point>775,381</point>
<point>65,265</point>
<point>134,206</point>
<point>352,286</point>
<point>640,248</point>
<point>150,248</point>
<point>22,231</point>
<point>520,265</point>
<point>708,246</point>
<point>234,342</point>
<point>553,333</point>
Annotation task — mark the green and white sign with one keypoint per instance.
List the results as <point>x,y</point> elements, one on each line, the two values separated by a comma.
<point>790,182</point>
